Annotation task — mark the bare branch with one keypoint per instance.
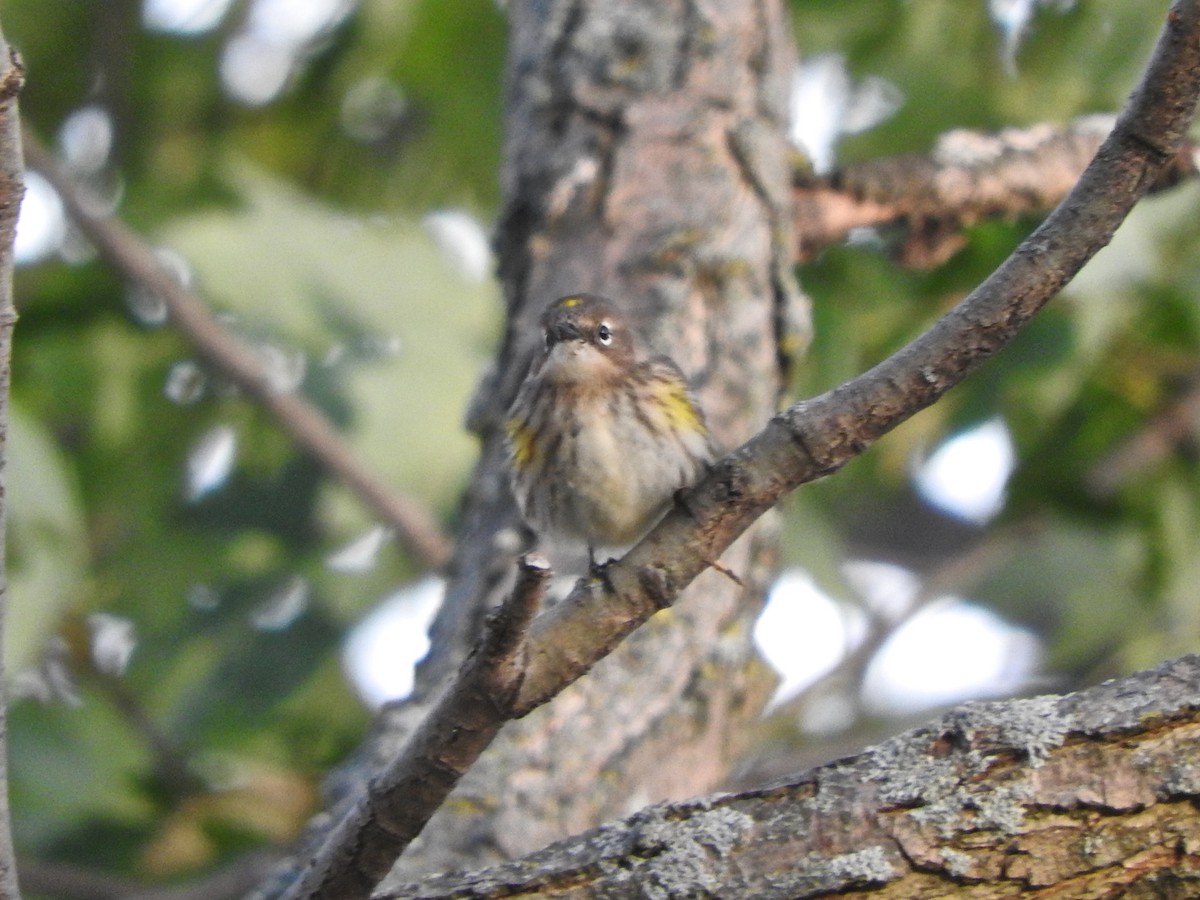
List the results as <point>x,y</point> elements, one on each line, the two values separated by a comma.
<point>12,188</point>
<point>808,441</point>
<point>128,254</point>
<point>400,800</point>
<point>970,177</point>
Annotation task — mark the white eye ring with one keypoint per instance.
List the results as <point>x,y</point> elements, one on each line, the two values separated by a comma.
<point>604,334</point>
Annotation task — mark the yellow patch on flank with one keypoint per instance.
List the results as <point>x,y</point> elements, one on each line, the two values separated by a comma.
<point>520,436</point>
<point>681,414</point>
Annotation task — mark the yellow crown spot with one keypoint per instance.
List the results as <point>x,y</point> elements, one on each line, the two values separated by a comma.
<point>570,302</point>
<point>520,436</point>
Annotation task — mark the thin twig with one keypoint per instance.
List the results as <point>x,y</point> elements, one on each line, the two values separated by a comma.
<point>128,254</point>
<point>1149,446</point>
<point>170,765</point>
<point>806,442</point>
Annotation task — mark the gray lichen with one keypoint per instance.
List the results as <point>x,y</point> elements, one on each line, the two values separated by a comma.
<point>680,854</point>
<point>957,863</point>
<point>870,818</point>
<point>872,865</point>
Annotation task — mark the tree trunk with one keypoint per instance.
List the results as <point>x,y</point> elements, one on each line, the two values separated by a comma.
<point>645,160</point>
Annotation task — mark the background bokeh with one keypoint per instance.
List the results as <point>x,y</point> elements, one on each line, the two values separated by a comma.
<point>325,174</point>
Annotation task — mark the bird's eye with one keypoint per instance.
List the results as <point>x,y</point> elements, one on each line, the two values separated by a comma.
<point>604,335</point>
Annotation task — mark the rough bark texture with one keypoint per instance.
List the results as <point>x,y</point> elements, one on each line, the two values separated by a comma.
<point>644,160</point>
<point>1092,794</point>
<point>12,189</point>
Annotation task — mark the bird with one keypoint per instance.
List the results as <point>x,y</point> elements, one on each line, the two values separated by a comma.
<point>603,432</point>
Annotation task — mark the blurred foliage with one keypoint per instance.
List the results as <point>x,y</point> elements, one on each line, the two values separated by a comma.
<point>302,223</point>
<point>1105,579</point>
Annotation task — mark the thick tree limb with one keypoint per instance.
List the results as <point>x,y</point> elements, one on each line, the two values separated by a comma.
<point>1093,794</point>
<point>970,177</point>
<point>817,437</point>
<point>129,255</point>
<point>12,189</point>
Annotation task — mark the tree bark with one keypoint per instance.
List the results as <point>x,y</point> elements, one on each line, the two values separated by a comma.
<point>1092,794</point>
<point>12,189</point>
<point>645,160</point>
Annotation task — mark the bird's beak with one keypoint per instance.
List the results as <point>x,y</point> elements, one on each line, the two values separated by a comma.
<point>563,331</point>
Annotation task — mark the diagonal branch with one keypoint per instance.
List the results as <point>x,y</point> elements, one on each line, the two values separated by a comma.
<point>129,255</point>
<point>461,725</point>
<point>817,437</point>
<point>808,441</point>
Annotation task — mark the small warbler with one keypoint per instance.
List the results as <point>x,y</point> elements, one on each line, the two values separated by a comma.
<point>602,433</point>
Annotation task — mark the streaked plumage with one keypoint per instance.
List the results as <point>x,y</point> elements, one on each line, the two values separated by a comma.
<point>601,434</point>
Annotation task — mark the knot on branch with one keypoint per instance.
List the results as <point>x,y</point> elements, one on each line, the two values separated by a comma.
<point>503,652</point>
<point>657,586</point>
